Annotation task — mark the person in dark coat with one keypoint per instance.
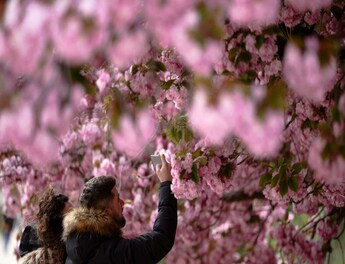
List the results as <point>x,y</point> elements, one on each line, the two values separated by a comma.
<point>93,231</point>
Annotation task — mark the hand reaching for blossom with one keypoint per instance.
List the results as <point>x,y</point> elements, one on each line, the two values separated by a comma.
<point>164,170</point>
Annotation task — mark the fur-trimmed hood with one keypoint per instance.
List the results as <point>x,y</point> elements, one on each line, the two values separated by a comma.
<point>85,230</point>
<point>83,220</point>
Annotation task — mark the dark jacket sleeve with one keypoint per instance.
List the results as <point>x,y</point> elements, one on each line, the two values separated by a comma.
<point>29,241</point>
<point>153,246</point>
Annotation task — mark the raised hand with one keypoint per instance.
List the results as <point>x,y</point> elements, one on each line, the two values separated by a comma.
<point>164,170</point>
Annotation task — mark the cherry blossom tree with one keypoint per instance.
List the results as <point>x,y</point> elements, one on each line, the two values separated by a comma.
<point>245,98</point>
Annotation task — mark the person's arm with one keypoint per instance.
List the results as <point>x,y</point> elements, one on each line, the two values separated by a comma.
<point>153,246</point>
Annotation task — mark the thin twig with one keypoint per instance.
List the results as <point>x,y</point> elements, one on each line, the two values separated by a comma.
<point>217,218</point>
<point>263,224</point>
<point>239,163</point>
<point>309,222</point>
<point>341,232</point>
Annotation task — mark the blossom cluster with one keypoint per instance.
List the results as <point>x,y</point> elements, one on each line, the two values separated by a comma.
<point>246,99</point>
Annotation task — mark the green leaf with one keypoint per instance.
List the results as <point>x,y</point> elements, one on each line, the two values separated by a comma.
<point>337,11</point>
<point>182,174</point>
<point>275,180</point>
<point>179,135</point>
<point>282,172</point>
<point>293,183</point>
<point>156,66</point>
<point>182,153</point>
<point>226,170</point>
<point>259,41</point>
<point>280,161</point>
<point>90,89</point>
<point>196,153</point>
<point>254,219</point>
<point>296,168</point>
<point>166,85</point>
<point>76,73</point>
<point>181,120</point>
<point>173,134</point>
<point>275,94</point>
<point>188,135</point>
<point>272,30</point>
<point>245,56</point>
<point>195,174</point>
<point>178,130</point>
<point>232,54</point>
<point>305,124</point>
<point>203,161</point>
<point>337,115</point>
<point>283,187</point>
<point>248,76</point>
<point>265,179</point>
<point>134,69</point>
<point>268,165</point>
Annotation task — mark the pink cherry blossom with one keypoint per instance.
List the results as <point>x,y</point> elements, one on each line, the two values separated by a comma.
<point>81,97</point>
<point>247,12</point>
<point>103,80</point>
<point>25,43</point>
<point>305,75</point>
<point>303,5</point>
<point>106,167</point>
<point>74,39</point>
<point>312,17</point>
<point>331,169</point>
<point>212,126</point>
<point>289,16</point>
<point>200,59</point>
<point>327,229</point>
<point>134,135</point>
<point>129,49</point>
<point>91,133</point>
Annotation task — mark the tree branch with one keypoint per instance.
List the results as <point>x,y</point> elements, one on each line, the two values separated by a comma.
<point>240,195</point>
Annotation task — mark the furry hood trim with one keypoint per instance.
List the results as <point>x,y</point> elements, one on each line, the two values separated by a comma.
<point>84,220</point>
